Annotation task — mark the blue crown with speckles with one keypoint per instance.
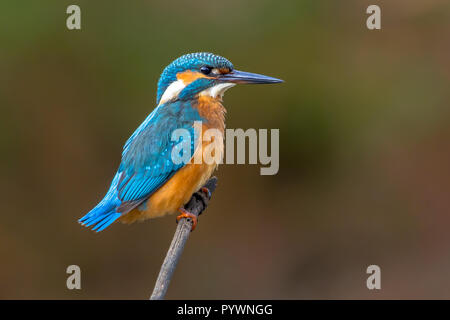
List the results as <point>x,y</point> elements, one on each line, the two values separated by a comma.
<point>191,61</point>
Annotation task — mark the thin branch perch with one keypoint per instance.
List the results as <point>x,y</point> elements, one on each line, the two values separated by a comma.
<point>196,205</point>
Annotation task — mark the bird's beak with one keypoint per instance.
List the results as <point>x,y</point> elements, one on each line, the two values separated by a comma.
<point>237,76</point>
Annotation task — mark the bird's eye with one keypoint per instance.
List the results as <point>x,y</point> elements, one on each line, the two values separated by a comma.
<point>206,70</point>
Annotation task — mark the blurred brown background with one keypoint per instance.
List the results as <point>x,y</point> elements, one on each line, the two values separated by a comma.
<point>364,139</point>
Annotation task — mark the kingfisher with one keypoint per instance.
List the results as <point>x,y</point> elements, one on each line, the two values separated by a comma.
<point>148,182</point>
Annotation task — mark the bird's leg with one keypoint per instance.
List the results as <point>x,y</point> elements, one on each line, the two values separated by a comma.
<point>186,214</point>
<point>203,195</point>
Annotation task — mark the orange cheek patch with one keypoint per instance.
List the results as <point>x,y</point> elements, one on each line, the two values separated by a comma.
<point>190,76</point>
<point>224,70</point>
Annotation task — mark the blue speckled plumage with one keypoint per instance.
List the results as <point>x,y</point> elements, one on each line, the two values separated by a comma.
<point>146,162</point>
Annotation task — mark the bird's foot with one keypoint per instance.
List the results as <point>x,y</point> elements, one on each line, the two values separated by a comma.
<point>186,214</point>
<point>206,191</point>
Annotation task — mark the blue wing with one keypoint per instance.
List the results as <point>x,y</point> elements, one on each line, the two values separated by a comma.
<point>148,165</point>
<point>147,161</point>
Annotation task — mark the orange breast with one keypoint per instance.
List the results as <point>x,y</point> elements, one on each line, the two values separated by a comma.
<point>178,190</point>
<point>174,193</point>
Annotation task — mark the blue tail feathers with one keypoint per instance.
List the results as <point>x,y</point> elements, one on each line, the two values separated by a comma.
<point>105,212</point>
<point>99,219</point>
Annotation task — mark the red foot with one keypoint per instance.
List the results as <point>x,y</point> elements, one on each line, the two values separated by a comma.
<point>187,215</point>
<point>206,191</point>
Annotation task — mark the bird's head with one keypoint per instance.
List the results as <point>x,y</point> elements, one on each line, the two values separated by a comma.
<point>202,73</point>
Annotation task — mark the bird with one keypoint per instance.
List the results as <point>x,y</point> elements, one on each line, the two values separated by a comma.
<point>148,182</point>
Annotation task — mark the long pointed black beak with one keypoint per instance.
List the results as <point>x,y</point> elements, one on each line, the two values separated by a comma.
<point>237,76</point>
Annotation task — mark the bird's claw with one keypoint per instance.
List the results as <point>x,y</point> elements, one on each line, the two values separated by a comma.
<point>206,191</point>
<point>187,215</point>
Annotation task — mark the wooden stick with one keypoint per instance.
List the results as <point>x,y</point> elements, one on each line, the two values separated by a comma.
<point>196,205</point>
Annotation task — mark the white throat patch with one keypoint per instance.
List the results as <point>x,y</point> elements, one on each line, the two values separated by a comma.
<point>218,90</point>
<point>174,89</point>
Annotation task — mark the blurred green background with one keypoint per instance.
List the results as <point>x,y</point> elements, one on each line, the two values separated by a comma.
<point>364,140</point>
